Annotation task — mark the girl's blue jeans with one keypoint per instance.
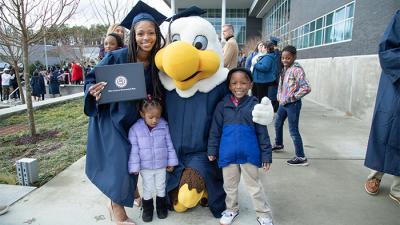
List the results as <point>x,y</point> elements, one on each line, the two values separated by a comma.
<point>292,112</point>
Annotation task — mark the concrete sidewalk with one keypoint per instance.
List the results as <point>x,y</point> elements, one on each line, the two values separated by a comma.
<point>328,192</point>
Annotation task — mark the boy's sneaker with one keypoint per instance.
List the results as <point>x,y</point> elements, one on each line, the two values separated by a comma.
<point>298,161</point>
<point>264,221</point>
<point>227,217</point>
<point>277,148</point>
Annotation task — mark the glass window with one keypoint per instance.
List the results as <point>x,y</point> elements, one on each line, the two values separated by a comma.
<point>350,10</point>
<point>329,19</point>
<point>338,32</point>
<point>339,15</point>
<point>312,38</point>
<point>348,30</point>
<point>305,41</point>
<point>318,37</point>
<point>328,35</point>
<point>312,26</point>
<point>319,23</point>
<point>306,28</point>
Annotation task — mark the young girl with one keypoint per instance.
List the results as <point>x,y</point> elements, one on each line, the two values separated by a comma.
<point>112,42</point>
<point>241,147</point>
<point>152,154</point>
<point>292,87</point>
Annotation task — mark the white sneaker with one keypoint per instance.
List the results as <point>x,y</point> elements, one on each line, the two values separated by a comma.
<point>264,221</point>
<point>227,217</point>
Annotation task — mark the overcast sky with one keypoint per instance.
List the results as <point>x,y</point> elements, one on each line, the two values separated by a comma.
<point>85,15</point>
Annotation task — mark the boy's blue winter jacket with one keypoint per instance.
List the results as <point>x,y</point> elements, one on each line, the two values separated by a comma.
<point>235,138</point>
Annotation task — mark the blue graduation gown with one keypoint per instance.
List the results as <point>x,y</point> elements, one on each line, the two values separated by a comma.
<point>383,152</point>
<point>54,85</point>
<point>189,123</point>
<point>38,86</point>
<point>108,146</point>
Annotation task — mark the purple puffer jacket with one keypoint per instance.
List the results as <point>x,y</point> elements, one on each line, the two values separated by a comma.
<point>150,149</point>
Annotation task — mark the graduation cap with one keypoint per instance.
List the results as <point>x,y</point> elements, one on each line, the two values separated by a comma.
<point>274,40</point>
<point>191,11</point>
<point>142,11</point>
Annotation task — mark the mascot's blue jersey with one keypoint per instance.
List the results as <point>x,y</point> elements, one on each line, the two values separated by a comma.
<point>190,118</point>
<point>189,122</point>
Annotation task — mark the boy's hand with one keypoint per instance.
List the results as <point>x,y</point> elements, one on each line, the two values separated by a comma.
<point>212,158</point>
<point>266,166</point>
<point>170,169</point>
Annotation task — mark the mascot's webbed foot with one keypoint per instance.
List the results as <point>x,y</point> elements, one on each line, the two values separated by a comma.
<point>191,191</point>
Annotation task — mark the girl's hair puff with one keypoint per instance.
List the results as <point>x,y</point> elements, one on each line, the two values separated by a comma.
<point>150,101</point>
<point>291,49</point>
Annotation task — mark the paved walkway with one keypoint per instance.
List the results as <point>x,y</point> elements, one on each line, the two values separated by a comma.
<point>328,192</point>
<point>4,112</point>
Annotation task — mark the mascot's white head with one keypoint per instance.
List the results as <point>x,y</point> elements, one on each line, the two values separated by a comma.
<point>192,60</point>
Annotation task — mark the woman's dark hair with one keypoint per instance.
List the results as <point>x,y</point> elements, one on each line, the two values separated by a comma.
<point>238,69</point>
<point>258,43</point>
<point>132,56</point>
<point>150,101</point>
<point>120,42</point>
<point>269,46</point>
<point>291,49</point>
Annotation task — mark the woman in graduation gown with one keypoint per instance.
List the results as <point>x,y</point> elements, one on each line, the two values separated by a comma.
<point>108,146</point>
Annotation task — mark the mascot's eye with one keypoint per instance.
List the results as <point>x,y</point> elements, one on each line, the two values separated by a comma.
<point>200,42</point>
<point>176,37</point>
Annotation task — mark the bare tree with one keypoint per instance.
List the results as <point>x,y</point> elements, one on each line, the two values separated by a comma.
<point>111,11</point>
<point>28,20</point>
<point>11,52</point>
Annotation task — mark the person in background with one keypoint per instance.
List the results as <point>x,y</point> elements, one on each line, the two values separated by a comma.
<point>383,151</point>
<point>77,73</point>
<point>114,28</point>
<point>38,86</point>
<point>54,83</point>
<point>5,83</point>
<point>264,72</point>
<point>240,157</point>
<point>249,58</point>
<point>112,42</point>
<point>1,88</point>
<point>293,86</point>
<point>231,48</point>
<point>273,89</point>
<point>108,152</point>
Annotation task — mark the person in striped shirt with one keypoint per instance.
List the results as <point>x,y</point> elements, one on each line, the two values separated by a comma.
<point>293,86</point>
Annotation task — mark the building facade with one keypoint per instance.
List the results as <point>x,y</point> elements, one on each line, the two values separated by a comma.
<point>337,43</point>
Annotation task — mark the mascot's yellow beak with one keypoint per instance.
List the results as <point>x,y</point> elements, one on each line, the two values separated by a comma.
<point>189,198</point>
<point>185,64</point>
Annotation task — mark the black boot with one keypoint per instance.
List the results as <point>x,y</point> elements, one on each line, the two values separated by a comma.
<point>148,209</point>
<point>161,206</point>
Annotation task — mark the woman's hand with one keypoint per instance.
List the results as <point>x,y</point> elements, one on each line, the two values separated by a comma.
<point>212,158</point>
<point>266,166</point>
<point>96,89</point>
<point>170,169</point>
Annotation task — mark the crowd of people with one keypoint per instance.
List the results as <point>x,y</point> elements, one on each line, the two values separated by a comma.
<point>141,138</point>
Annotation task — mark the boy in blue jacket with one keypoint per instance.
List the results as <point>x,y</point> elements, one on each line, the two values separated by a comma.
<point>241,147</point>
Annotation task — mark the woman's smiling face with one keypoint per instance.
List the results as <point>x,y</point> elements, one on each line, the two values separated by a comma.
<point>145,35</point>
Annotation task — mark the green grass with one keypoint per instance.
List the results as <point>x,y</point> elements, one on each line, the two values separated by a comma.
<point>65,121</point>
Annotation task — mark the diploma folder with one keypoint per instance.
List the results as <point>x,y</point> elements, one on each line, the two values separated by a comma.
<point>125,82</point>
